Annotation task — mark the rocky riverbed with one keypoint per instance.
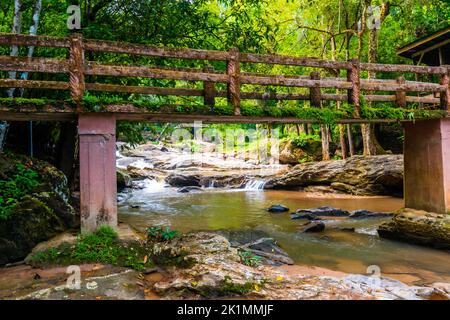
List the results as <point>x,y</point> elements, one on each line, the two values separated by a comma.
<point>216,271</point>
<point>377,175</point>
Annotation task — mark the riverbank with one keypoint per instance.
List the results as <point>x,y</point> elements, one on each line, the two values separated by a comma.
<point>216,271</point>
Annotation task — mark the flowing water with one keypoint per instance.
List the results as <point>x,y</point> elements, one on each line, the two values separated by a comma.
<point>245,209</point>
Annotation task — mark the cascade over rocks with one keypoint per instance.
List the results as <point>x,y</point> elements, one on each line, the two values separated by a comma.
<point>358,175</point>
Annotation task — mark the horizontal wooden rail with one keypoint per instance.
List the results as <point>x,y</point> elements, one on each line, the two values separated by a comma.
<point>293,61</point>
<point>35,41</point>
<point>96,69</point>
<point>317,87</point>
<point>43,65</point>
<point>34,84</point>
<point>152,51</point>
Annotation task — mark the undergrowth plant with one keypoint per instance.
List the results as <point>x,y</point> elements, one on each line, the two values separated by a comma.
<point>13,189</point>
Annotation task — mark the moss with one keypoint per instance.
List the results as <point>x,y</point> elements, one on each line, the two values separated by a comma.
<point>102,246</point>
<point>326,115</point>
<point>166,258</point>
<point>229,288</point>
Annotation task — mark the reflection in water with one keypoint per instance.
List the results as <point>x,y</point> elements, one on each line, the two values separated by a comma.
<point>334,249</point>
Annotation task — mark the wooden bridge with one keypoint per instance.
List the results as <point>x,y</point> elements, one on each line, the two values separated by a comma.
<point>427,142</point>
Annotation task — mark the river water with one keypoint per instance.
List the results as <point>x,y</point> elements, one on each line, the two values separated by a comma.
<point>350,252</point>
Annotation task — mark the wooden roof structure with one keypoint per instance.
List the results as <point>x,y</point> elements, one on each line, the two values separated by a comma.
<point>432,50</point>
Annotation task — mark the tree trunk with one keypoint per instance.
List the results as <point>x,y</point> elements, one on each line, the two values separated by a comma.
<point>66,151</point>
<point>342,141</point>
<point>351,146</point>
<point>325,142</point>
<point>33,32</point>
<point>17,28</point>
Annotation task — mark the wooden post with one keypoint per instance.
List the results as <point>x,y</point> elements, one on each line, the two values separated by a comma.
<point>427,165</point>
<point>314,92</point>
<point>209,90</point>
<point>445,95</point>
<point>354,93</point>
<point>76,68</point>
<point>400,95</point>
<point>234,86</point>
<point>98,182</point>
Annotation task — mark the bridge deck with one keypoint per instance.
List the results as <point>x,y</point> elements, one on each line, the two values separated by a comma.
<point>63,111</point>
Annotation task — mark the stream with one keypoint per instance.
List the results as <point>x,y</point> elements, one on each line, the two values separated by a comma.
<point>211,209</point>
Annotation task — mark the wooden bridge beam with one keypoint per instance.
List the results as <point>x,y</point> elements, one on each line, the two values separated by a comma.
<point>427,165</point>
<point>98,182</point>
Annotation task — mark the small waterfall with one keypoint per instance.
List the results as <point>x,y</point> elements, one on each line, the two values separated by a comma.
<point>153,186</point>
<point>211,183</point>
<point>141,164</point>
<point>255,185</point>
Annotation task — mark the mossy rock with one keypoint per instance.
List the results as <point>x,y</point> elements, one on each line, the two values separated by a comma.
<point>37,216</point>
<point>123,180</point>
<point>418,227</point>
<point>32,221</point>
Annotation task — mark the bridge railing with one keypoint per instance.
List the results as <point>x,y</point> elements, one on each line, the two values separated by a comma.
<point>78,68</point>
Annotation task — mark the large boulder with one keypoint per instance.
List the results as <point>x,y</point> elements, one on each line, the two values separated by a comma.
<point>179,180</point>
<point>358,175</point>
<point>418,227</point>
<point>38,216</point>
<point>293,154</point>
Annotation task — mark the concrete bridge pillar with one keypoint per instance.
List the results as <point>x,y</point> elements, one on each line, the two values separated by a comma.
<point>98,186</point>
<point>427,165</point>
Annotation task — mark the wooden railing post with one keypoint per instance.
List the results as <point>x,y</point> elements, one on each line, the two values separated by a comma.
<point>234,86</point>
<point>400,95</point>
<point>353,76</point>
<point>314,92</point>
<point>209,90</point>
<point>445,95</point>
<point>76,68</point>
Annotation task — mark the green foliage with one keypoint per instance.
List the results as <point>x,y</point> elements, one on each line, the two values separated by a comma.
<point>13,189</point>
<point>249,259</point>
<point>303,139</point>
<point>103,246</point>
<point>160,234</point>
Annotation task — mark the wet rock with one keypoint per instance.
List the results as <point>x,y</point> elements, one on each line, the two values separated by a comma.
<point>122,285</point>
<point>219,273</point>
<point>224,181</point>
<point>346,229</point>
<point>260,244</point>
<point>278,208</point>
<point>324,211</point>
<point>189,189</point>
<point>418,227</point>
<point>123,180</point>
<point>312,227</point>
<point>362,214</point>
<point>178,180</point>
<point>304,216</point>
<point>358,175</point>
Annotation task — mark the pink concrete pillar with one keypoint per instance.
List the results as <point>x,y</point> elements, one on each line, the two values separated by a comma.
<point>98,185</point>
<point>427,165</point>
